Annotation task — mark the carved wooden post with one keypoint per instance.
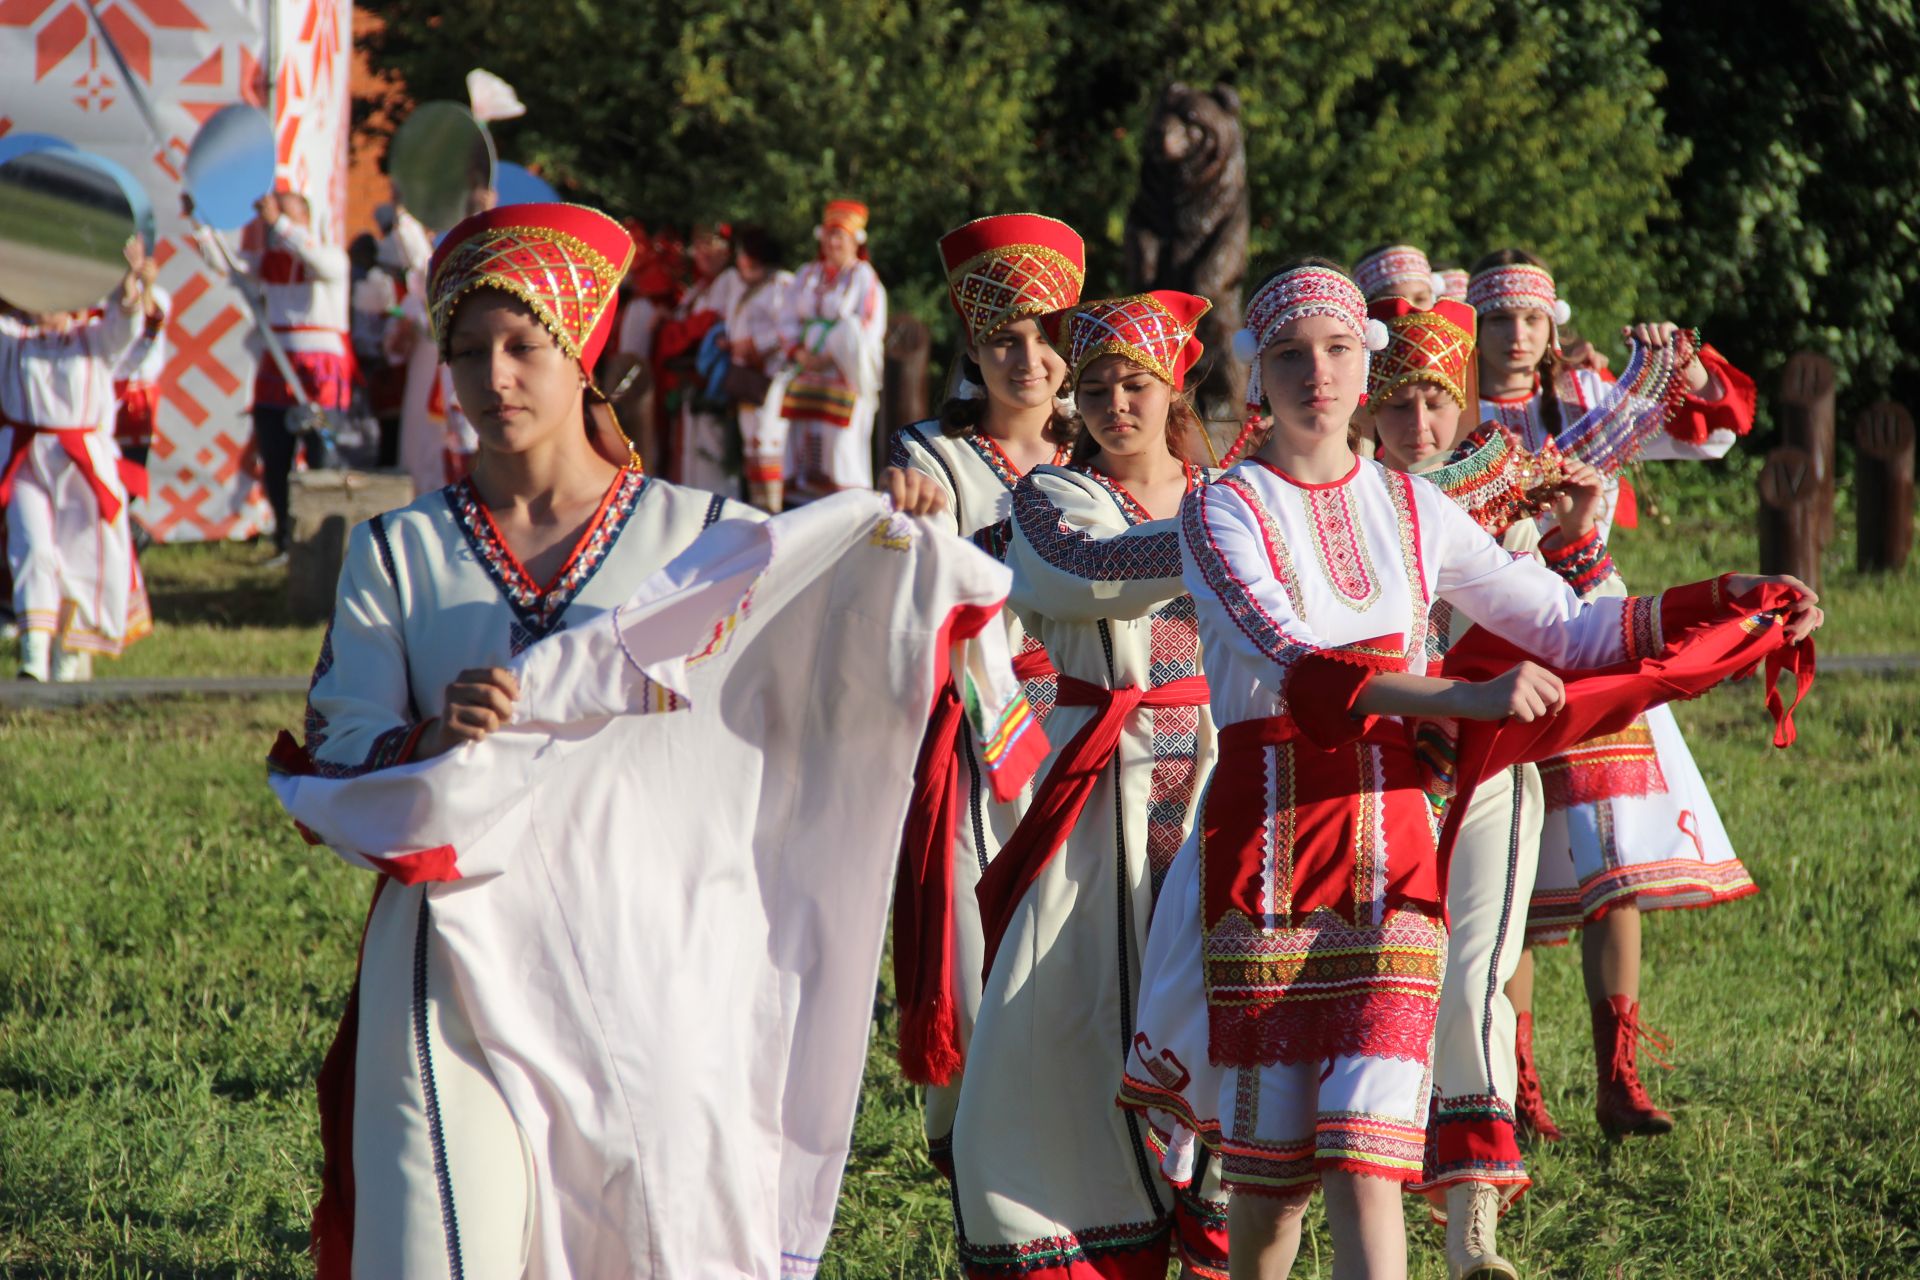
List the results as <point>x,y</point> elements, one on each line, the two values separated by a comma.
<point>1790,515</point>
<point>1806,422</point>
<point>1883,479</point>
<point>904,395</point>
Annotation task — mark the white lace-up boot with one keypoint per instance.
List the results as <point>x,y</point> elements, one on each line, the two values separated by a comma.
<point>1473,1216</point>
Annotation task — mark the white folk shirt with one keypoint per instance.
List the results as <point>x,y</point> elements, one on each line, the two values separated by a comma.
<point>1304,567</point>
<point>305,287</point>
<point>63,380</point>
<point>60,551</point>
<point>1041,1153</point>
<point>144,361</point>
<point>843,315</point>
<point>755,313</point>
<point>667,927</point>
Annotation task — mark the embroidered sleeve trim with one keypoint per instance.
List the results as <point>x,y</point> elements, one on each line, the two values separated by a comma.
<point>1077,552</point>
<point>1235,596</point>
<point>1640,627</point>
<point>1584,562</point>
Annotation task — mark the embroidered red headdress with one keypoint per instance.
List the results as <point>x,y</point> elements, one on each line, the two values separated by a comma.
<point>1422,346</point>
<point>1303,291</point>
<point>1010,267</point>
<point>849,215</point>
<point>1153,330</point>
<point>1396,264</point>
<point>565,261</point>
<point>1516,287</point>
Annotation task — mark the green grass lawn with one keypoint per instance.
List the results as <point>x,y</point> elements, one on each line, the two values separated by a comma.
<point>172,958</point>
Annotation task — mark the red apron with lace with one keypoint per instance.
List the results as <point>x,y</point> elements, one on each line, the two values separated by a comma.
<point>1321,898</point>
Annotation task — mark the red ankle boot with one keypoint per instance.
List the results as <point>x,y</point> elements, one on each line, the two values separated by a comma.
<point>1623,1106</point>
<point>1530,1113</point>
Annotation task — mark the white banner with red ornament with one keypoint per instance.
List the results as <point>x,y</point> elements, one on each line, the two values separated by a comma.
<point>192,57</point>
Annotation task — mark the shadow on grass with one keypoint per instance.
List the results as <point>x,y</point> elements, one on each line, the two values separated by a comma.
<point>217,585</point>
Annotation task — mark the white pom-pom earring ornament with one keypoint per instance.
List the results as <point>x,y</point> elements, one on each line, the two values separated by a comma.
<point>1065,405</point>
<point>1377,336</point>
<point>1246,347</point>
<point>969,390</point>
<point>1561,311</point>
<point>1438,283</point>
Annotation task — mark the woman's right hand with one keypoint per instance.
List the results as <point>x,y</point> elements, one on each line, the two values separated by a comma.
<point>1526,692</point>
<point>479,701</point>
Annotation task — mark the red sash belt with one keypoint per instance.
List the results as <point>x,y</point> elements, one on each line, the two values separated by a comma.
<point>74,441</point>
<point>923,977</point>
<point>1032,665</point>
<point>1057,804</point>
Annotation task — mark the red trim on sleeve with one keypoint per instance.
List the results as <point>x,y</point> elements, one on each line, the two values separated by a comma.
<point>1323,686</point>
<point>1697,419</point>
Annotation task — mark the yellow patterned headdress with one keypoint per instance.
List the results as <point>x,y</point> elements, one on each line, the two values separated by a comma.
<point>1010,267</point>
<point>565,261</point>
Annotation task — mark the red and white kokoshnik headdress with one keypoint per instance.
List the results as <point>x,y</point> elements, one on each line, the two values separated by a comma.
<point>1011,267</point>
<point>1516,287</point>
<point>1396,264</point>
<point>849,215</point>
<point>1422,346</point>
<point>1453,283</point>
<point>1303,291</point>
<point>565,261</point>
<point>1153,330</point>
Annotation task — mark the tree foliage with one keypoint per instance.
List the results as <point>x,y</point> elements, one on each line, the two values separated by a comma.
<point>1798,222</point>
<point>1720,173</point>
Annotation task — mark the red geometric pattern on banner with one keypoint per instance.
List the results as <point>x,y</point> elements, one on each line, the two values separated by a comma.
<point>195,57</point>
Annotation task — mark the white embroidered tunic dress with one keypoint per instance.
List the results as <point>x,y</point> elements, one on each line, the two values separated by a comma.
<point>69,543</point>
<point>432,591</point>
<point>1294,971</point>
<point>1628,816</point>
<point>1052,1180</point>
<point>977,479</point>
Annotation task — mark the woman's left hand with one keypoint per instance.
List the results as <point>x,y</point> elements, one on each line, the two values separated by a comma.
<point>1806,615</point>
<point>913,493</point>
<point>1579,500</point>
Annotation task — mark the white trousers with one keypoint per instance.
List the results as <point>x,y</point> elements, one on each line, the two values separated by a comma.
<point>1471,1136</point>
<point>1488,887</point>
<point>441,1171</point>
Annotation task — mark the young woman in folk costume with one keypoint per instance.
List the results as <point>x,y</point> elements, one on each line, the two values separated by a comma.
<point>1398,271</point>
<point>700,435</point>
<point>69,543</point>
<point>1630,826</point>
<point>1003,274</point>
<point>1417,393</point>
<point>1051,1179</point>
<point>1452,282</point>
<point>754,343</point>
<point>1293,974</point>
<point>835,333</point>
<point>427,1174</point>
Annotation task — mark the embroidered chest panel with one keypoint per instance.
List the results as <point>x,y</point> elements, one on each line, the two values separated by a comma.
<point>1340,546</point>
<point>538,612</point>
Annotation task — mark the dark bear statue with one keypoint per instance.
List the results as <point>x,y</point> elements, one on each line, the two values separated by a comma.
<point>1187,229</point>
